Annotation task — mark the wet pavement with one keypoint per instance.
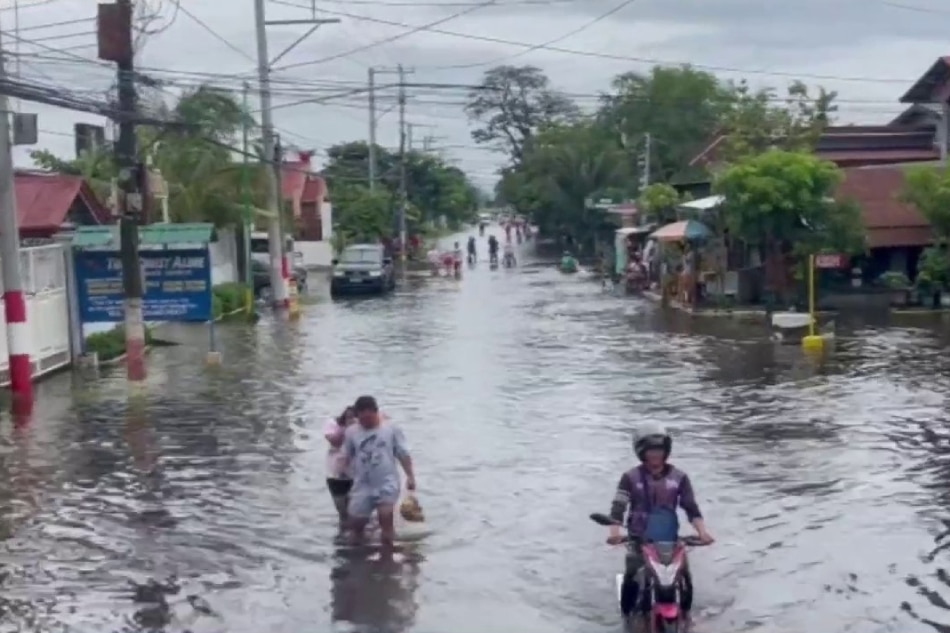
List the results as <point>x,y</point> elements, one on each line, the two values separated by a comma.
<point>827,487</point>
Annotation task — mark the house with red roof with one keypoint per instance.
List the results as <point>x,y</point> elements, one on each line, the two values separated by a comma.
<point>306,192</point>
<point>46,201</point>
<point>874,159</point>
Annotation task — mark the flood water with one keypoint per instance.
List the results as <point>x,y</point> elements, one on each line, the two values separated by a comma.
<point>827,487</point>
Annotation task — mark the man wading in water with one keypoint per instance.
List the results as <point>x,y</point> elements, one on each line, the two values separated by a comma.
<point>372,451</point>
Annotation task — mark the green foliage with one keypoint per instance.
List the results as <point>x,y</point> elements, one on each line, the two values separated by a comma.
<point>659,200</point>
<point>558,157</point>
<point>228,298</point>
<point>895,280</point>
<point>110,345</point>
<point>511,104</point>
<point>928,189</point>
<point>933,268</point>
<point>205,182</point>
<point>434,188</point>
<point>786,197</point>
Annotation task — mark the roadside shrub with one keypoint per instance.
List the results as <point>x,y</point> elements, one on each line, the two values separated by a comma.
<point>111,344</point>
<point>227,298</point>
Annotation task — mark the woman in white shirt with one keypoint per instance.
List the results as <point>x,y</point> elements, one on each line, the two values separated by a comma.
<point>338,481</point>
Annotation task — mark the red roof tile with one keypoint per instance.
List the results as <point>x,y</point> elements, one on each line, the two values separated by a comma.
<point>889,221</point>
<point>44,200</point>
<point>881,156</point>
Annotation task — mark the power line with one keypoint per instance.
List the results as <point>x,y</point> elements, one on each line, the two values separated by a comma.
<point>213,33</point>
<point>582,53</point>
<point>390,39</point>
<point>556,40</point>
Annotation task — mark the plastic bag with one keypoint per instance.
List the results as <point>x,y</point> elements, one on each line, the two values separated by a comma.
<point>411,510</point>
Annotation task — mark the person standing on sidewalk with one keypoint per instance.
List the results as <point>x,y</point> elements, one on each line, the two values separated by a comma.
<point>338,482</point>
<point>372,451</point>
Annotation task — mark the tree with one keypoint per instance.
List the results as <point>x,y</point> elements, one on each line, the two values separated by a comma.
<point>204,181</point>
<point>681,107</point>
<point>759,121</point>
<point>435,190</point>
<point>783,203</point>
<point>511,104</point>
<point>565,166</point>
<point>658,201</point>
<point>928,189</point>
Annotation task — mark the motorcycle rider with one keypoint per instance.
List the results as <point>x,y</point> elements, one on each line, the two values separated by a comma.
<point>652,485</point>
<point>472,254</point>
<point>493,248</point>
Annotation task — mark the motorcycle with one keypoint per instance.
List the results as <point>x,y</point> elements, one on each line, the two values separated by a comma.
<point>471,260</point>
<point>509,260</point>
<point>661,580</point>
<point>493,261</point>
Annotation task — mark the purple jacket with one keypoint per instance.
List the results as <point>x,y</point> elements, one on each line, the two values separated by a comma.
<point>668,491</point>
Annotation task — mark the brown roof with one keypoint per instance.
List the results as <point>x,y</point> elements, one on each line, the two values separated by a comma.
<point>936,76</point>
<point>857,158</point>
<point>888,220</point>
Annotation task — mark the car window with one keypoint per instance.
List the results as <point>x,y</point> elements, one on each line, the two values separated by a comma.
<point>360,256</point>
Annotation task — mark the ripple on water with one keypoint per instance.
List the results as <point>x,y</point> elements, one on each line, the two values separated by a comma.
<point>826,485</point>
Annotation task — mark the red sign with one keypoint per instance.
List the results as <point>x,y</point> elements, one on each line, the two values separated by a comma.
<point>831,261</point>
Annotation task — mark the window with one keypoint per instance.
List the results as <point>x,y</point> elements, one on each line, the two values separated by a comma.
<point>361,256</point>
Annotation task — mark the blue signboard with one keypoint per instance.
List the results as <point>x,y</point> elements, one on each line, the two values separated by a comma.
<point>177,285</point>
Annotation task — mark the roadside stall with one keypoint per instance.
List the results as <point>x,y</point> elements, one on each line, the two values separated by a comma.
<point>680,244</point>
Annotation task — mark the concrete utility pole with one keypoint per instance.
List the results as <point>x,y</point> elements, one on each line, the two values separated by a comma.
<point>115,44</point>
<point>14,302</point>
<point>279,262</point>
<point>403,185</point>
<point>372,129</point>
<point>647,151</point>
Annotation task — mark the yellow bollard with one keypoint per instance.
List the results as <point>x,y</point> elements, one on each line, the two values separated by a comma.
<point>812,343</point>
<point>293,310</point>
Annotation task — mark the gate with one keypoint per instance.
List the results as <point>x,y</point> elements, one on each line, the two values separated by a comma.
<point>43,271</point>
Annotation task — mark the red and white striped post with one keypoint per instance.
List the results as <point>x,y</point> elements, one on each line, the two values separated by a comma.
<point>14,302</point>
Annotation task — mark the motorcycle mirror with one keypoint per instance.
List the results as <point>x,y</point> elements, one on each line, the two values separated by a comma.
<point>602,519</point>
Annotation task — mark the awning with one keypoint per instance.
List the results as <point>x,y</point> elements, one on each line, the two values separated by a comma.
<point>703,204</point>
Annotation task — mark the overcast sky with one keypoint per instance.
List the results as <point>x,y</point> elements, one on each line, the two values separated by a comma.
<point>870,51</point>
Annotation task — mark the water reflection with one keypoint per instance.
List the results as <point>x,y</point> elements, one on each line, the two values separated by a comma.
<point>375,591</point>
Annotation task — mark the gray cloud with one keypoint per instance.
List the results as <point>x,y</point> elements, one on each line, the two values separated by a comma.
<point>835,38</point>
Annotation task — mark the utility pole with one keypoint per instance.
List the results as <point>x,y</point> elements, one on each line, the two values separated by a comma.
<point>403,187</point>
<point>409,127</point>
<point>14,302</point>
<point>248,213</point>
<point>115,44</point>
<point>372,129</point>
<point>647,151</point>
<point>279,263</point>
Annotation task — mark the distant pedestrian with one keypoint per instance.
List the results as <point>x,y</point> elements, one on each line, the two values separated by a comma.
<point>338,482</point>
<point>372,451</point>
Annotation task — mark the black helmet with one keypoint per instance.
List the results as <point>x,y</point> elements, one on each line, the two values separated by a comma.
<point>651,436</point>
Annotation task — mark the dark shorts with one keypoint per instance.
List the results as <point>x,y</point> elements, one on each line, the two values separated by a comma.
<point>339,487</point>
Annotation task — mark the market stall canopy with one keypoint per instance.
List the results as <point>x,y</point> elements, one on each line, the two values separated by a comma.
<point>684,230</point>
<point>703,204</point>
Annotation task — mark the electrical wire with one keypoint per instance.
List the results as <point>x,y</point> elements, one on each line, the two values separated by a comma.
<point>213,33</point>
<point>392,38</point>
<point>590,54</point>
<point>557,40</point>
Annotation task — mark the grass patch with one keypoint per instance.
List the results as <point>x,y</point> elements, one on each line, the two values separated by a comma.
<point>225,299</point>
<point>111,345</point>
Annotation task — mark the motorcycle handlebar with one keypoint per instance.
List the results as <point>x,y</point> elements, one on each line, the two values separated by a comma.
<point>689,540</point>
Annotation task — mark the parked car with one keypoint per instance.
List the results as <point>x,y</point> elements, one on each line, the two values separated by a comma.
<point>261,274</point>
<point>362,268</point>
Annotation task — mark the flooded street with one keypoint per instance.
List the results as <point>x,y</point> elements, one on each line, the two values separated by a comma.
<point>827,488</point>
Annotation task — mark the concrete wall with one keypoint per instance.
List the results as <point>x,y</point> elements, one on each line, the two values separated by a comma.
<point>224,258</point>
<point>319,254</point>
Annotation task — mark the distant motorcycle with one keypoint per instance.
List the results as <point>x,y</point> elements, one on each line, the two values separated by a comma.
<point>509,261</point>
